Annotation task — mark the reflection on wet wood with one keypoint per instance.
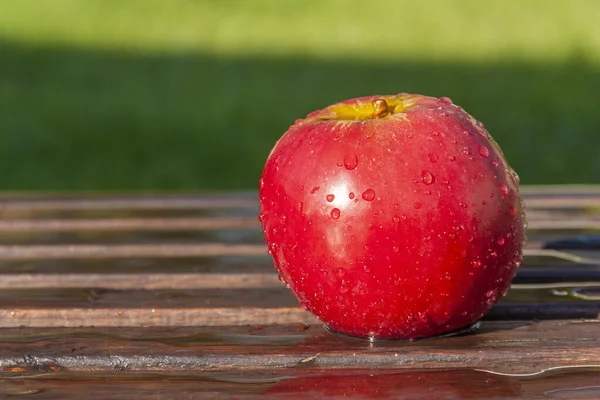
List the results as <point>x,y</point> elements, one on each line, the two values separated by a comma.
<point>402,385</point>
<point>126,295</point>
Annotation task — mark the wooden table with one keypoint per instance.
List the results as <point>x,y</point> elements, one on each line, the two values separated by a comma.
<point>175,297</point>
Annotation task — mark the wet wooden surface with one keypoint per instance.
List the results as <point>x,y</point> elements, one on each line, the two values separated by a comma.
<point>174,296</point>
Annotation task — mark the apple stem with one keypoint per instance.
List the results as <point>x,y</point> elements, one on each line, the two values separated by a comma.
<point>380,108</point>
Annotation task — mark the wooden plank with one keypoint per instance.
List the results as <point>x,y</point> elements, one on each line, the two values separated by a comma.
<point>111,202</point>
<point>31,252</point>
<point>535,197</point>
<point>172,250</point>
<point>262,277</point>
<point>313,383</point>
<point>556,222</point>
<point>136,317</point>
<point>126,224</point>
<point>77,308</point>
<point>189,316</point>
<point>501,347</point>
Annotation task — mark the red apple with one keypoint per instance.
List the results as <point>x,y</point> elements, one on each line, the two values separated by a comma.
<point>392,216</point>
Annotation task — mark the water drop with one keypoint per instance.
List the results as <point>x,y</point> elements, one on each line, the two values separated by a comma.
<point>417,205</point>
<point>368,194</point>
<point>483,202</point>
<point>261,216</point>
<point>396,219</point>
<point>490,296</point>
<point>335,213</point>
<point>315,189</point>
<point>452,158</point>
<point>351,195</point>
<point>495,164</point>
<point>433,157</point>
<point>344,289</point>
<point>484,152</point>
<point>462,205</point>
<point>446,100</point>
<point>396,249</point>
<point>299,206</point>
<point>466,150</point>
<point>350,161</point>
<point>503,189</point>
<point>340,272</point>
<point>427,177</point>
<point>330,197</point>
<point>500,241</point>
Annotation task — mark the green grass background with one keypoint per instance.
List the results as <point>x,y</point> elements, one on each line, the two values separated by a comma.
<point>192,94</point>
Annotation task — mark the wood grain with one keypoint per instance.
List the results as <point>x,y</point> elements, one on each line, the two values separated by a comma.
<point>121,296</point>
<point>503,347</point>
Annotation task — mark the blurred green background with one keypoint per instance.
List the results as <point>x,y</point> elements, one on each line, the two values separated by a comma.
<point>192,94</point>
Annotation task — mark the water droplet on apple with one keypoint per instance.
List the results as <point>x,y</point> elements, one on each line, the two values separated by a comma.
<point>368,194</point>
<point>452,158</point>
<point>503,189</point>
<point>484,152</point>
<point>315,189</point>
<point>340,272</point>
<point>427,177</point>
<point>433,157</point>
<point>495,164</point>
<point>299,206</point>
<point>396,249</point>
<point>335,213</point>
<point>446,100</point>
<point>350,161</point>
<point>261,216</point>
<point>330,197</point>
<point>462,205</point>
<point>418,205</point>
<point>351,195</point>
<point>343,289</point>
<point>396,219</point>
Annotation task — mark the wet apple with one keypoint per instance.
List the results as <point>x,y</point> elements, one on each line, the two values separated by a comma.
<point>392,216</point>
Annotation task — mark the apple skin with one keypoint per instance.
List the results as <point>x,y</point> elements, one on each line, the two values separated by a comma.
<point>392,216</point>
